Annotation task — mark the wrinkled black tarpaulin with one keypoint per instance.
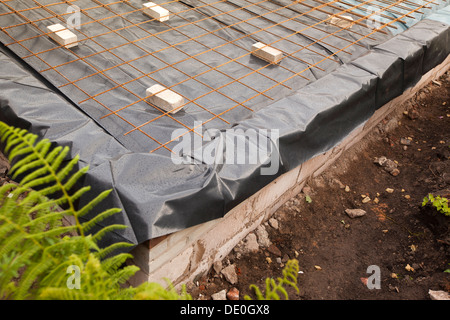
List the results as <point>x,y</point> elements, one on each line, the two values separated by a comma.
<point>159,197</point>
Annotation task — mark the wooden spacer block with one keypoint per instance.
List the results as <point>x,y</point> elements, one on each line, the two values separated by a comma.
<point>341,21</point>
<point>266,53</point>
<point>156,12</point>
<point>164,98</point>
<point>62,35</point>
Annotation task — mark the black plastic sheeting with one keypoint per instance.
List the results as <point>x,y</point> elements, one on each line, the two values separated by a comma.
<point>159,197</point>
<point>231,28</point>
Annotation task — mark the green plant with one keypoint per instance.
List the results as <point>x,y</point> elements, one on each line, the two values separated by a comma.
<point>37,250</point>
<point>308,199</point>
<point>440,203</point>
<point>289,272</point>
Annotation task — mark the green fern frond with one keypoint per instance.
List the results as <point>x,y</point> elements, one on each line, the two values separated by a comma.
<point>86,226</point>
<point>52,293</point>
<point>105,252</point>
<point>30,276</point>
<point>31,229</point>
<point>122,275</point>
<point>93,203</point>
<point>99,235</point>
<point>11,243</point>
<point>44,219</point>
<point>155,291</point>
<point>31,161</point>
<point>52,232</point>
<point>112,264</point>
<point>273,288</point>
<point>35,250</point>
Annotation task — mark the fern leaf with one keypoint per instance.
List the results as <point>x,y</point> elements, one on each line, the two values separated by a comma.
<point>258,293</point>
<point>112,248</point>
<point>30,162</point>
<point>7,188</point>
<point>120,277</point>
<point>56,163</point>
<point>99,235</point>
<point>30,276</point>
<point>15,264</point>
<point>33,239</point>
<point>11,243</point>
<point>21,143</point>
<point>78,195</point>
<point>93,203</point>
<point>113,263</point>
<point>57,277</point>
<point>64,172</point>
<point>290,272</point>
<point>86,226</point>
<point>64,294</point>
<point>5,229</point>
<point>75,177</point>
<point>24,165</point>
<point>47,218</point>
<point>52,233</point>
<point>155,291</point>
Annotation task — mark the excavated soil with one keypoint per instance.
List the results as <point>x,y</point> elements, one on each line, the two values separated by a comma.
<point>409,243</point>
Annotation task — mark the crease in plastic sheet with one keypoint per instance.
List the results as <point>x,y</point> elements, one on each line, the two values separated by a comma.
<point>159,197</point>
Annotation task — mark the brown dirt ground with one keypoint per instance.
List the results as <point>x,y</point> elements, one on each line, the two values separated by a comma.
<point>396,232</point>
<point>323,235</point>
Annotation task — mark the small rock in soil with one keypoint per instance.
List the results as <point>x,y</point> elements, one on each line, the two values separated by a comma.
<point>438,295</point>
<point>217,266</point>
<point>413,114</point>
<point>380,161</point>
<point>338,183</point>
<point>388,165</point>
<point>233,294</point>
<point>364,281</point>
<point>221,295</point>
<point>393,288</point>
<point>250,243</point>
<point>273,223</point>
<point>273,249</point>
<point>263,236</point>
<point>405,141</point>
<point>409,268</point>
<point>355,213</point>
<point>230,274</point>
<point>307,191</point>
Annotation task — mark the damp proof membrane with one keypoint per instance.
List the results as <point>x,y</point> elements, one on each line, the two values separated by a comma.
<point>92,97</point>
<point>202,53</point>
